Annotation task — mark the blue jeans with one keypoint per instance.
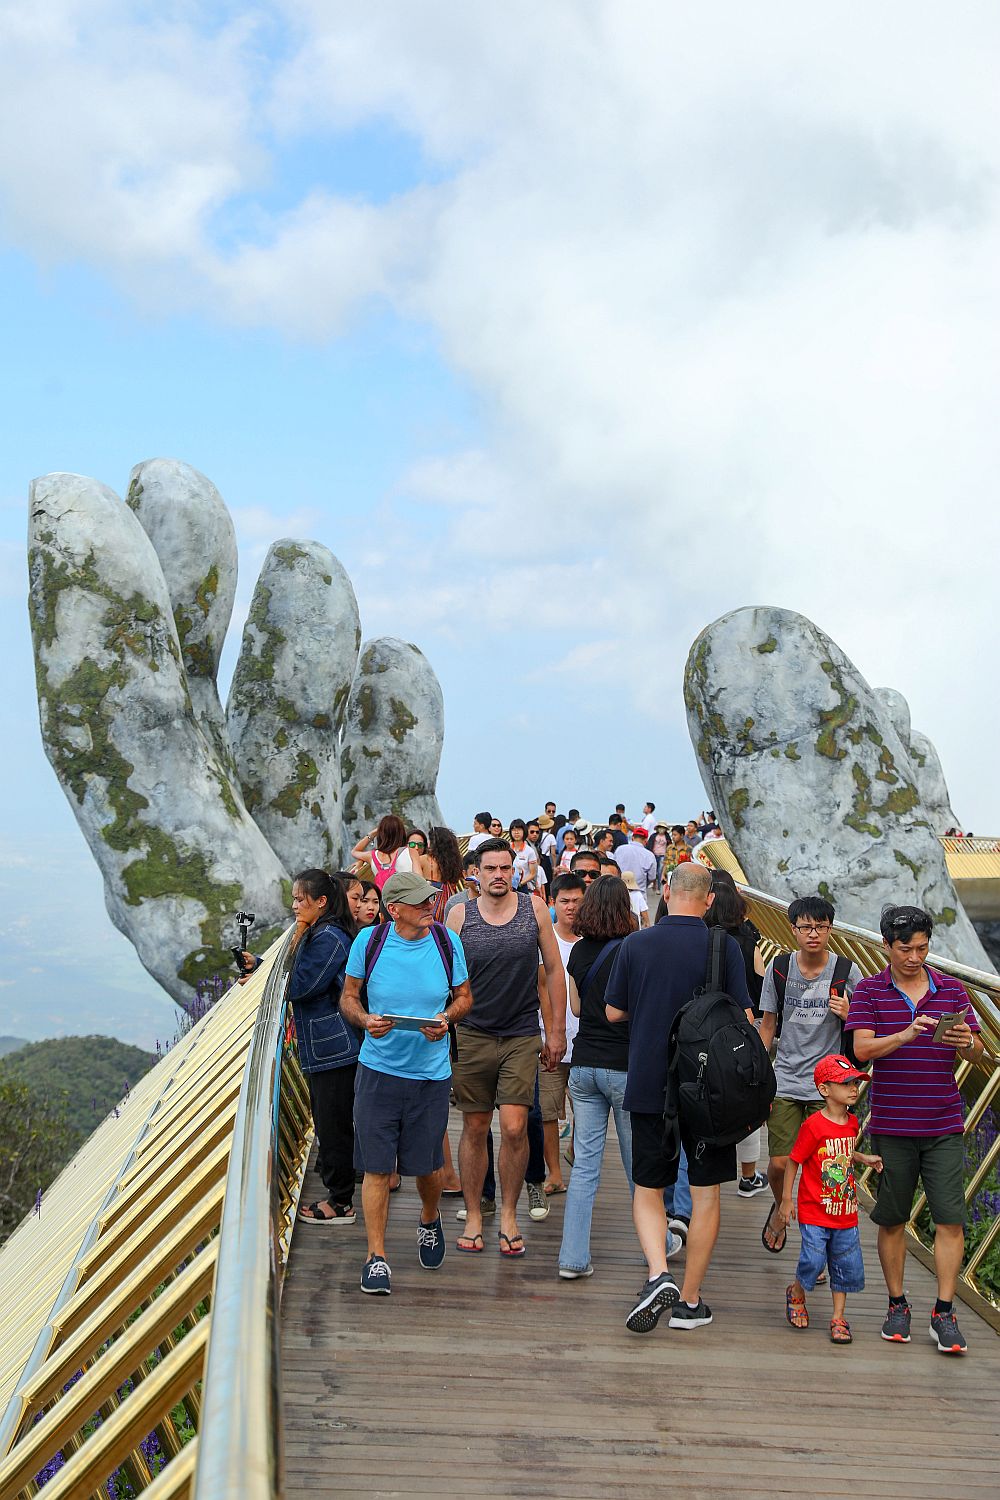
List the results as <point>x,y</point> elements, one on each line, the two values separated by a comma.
<point>595,1092</point>
<point>677,1199</point>
<point>836,1249</point>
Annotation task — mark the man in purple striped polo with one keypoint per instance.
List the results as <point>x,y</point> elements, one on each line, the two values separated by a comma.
<point>916,1116</point>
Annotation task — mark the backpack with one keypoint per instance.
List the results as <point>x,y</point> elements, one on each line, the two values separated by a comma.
<point>381,873</point>
<point>719,1077</point>
<point>442,943</point>
<point>841,973</point>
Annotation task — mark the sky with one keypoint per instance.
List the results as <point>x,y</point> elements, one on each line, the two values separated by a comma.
<point>566,327</point>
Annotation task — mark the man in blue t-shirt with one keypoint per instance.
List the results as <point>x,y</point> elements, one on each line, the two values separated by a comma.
<point>655,973</point>
<point>404,1074</point>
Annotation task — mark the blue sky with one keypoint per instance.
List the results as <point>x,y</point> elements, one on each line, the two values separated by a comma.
<point>567,329</point>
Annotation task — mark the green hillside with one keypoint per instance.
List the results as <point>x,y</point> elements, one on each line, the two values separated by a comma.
<point>86,1075</point>
<point>10,1044</point>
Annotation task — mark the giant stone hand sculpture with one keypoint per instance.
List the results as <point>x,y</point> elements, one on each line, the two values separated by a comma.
<point>812,782</point>
<point>190,817</point>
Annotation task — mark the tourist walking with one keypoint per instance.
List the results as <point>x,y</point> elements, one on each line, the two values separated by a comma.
<point>404,1074</point>
<point>599,1065</point>
<point>502,933</point>
<point>895,1021</point>
<point>655,973</point>
<point>390,852</point>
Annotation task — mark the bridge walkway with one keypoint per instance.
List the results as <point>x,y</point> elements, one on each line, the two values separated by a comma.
<point>493,1377</point>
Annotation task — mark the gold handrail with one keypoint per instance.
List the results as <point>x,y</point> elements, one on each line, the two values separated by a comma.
<point>180,1204</point>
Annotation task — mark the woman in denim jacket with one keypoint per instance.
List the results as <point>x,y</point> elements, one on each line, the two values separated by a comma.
<point>328,1047</point>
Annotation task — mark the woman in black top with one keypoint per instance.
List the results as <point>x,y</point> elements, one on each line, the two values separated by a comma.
<point>600,1060</point>
<point>729,911</point>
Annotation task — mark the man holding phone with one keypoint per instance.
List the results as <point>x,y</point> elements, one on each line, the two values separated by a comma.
<point>911,1023</point>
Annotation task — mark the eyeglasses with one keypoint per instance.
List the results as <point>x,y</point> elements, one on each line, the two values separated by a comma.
<point>416,844</point>
<point>812,927</point>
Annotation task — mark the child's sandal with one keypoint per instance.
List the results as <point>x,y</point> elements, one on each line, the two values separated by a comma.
<point>795,1308</point>
<point>840,1331</point>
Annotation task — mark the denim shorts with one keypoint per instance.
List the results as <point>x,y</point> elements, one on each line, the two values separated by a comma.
<point>836,1249</point>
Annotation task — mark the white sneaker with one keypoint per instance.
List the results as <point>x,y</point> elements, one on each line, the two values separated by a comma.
<point>568,1275</point>
<point>674,1244</point>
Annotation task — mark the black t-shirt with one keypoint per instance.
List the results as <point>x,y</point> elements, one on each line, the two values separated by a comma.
<point>617,839</point>
<point>655,972</point>
<point>599,1043</point>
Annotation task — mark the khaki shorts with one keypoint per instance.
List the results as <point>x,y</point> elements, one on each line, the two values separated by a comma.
<point>494,1070</point>
<point>785,1121</point>
<point>552,1092</point>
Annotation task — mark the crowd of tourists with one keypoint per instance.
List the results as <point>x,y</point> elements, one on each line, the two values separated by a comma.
<point>559,973</point>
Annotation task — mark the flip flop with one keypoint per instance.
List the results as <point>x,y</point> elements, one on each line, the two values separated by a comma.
<point>511,1241</point>
<point>783,1231</point>
<point>551,1191</point>
<point>840,1331</point>
<point>795,1309</point>
<point>470,1244</point>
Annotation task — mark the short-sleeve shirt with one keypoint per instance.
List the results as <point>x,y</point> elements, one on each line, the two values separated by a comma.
<point>913,1090</point>
<point>809,1029</point>
<point>600,1043</point>
<point>828,1194</point>
<point>655,972</point>
<point>409,979</point>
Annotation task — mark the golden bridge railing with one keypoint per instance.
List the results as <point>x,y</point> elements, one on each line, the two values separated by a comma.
<point>154,1273</point>
<point>979,1281</point>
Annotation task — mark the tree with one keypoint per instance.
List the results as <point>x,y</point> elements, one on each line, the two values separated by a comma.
<point>35,1141</point>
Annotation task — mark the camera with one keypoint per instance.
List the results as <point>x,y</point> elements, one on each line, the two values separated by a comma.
<point>244,921</point>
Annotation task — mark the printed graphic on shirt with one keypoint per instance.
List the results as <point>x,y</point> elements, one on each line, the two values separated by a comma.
<point>838,1190</point>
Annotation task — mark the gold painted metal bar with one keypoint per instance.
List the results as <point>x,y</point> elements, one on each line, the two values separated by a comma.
<point>125,1429</point>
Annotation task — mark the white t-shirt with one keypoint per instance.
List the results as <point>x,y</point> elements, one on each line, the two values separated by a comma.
<point>639,904</point>
<point>547,844</point>
<point>477,839</point>
<point>523,860</point>
<point>572,1022</point>
<point>648,820</point>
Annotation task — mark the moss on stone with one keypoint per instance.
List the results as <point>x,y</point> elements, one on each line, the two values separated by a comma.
<point>744,737</point>
<point>776,753</point>
<point>257,658</point>
<point>861,805</point>
<point>285,709</point>
<point>327,577</point>
<point>824,890</point>
<point>339,705</point>
<point>366,708</point>
<point>907,863</point>
<point>290,555</point>
<point>739,801</point>
<point>322,721</point>
<point>350,802</point>
<point>370,753</point>
<point>792,752</point>
<point>135,492</point>
<point>291,799</point>
<point>946,917</point>
<point>900,801</point>
<point>834,719</point>
<point>281,739</point>
<point>766,647</point>
<point>783,866</point>
<point>886,766</point>
<point>402,720</point>
<point>346,764</point>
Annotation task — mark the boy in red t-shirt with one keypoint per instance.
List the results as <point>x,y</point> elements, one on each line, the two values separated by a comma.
<point>828,1199</point>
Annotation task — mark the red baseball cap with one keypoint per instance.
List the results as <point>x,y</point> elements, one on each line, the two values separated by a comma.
<point>836,1069</point>
<point>639,832</point>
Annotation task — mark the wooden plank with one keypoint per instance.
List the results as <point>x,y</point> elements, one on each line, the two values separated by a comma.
<point>495,1377</point>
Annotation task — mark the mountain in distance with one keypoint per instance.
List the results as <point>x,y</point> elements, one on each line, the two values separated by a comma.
<point>86,1075</point>
<point>10,1044</point>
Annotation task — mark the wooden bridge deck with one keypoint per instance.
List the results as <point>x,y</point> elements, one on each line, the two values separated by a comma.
<point>493,1377</point>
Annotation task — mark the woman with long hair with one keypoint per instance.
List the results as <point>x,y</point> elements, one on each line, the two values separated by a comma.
<point>729,911</point>
<point>442,865</point>
<point>371,911</point>
<point>599,1065</point>
<point>390,856</point>
<point>328,1046</point>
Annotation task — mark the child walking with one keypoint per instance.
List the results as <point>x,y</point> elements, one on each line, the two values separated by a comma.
<point>828,1200</point>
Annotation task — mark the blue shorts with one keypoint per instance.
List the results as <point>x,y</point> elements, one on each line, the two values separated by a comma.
<point>836,1249</point>
<point>399,1123</point>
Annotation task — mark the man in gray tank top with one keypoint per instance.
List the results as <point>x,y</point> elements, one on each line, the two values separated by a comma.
<point>499,1043</point>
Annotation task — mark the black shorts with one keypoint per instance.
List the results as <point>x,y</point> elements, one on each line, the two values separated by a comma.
<point>399,1123</point>
<point>707,1165</point>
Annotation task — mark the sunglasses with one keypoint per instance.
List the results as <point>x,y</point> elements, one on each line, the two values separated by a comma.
<point>416,844</point>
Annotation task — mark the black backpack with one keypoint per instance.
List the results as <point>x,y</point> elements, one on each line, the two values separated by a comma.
<point>720,1082</point>
<point>841,973</point>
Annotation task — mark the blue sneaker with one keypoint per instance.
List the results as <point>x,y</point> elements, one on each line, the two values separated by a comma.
<point>430,1244</point>
<point>376,1276</point>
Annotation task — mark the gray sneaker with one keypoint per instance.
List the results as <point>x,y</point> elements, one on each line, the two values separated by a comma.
<point>896,1328</point>
<point>946,1333</point>
<point>654,1298</point>
<point>539,1206</point>
<point>487,1207</point>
